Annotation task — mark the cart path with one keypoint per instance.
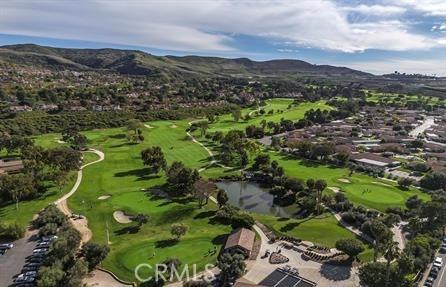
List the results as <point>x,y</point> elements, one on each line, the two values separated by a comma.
<point>80,224</point>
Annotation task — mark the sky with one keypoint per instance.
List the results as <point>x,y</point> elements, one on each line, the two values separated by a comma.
<point>377,36</point>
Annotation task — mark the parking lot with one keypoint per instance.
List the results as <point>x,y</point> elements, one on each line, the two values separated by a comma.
<point>282,278</point>
<point>21,260</point>
<point>12,262</point>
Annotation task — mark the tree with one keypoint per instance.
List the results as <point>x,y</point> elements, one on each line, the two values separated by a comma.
<point>404,182</point>
<point>310,184</point>
<point>202,190</point>
<point>50,276</point>
<point>380,232</point>
<point>236,114</point>
<point>94,253</point>
<point>76,274</point>
<point>231,267</point>
<point>262,161</point>
<point>319,185</point>
<point>134,132</point>
<point>141,219</point>
<point>222,198</point>
<point>180,179</point>
<point>17,187</point>
<point>178,230</point>
<point>154,158</point>
<point>434,181</point>
<point>373,274</point>
<point>391,252</point>
<point>203,126</point>
<point>350,246</point>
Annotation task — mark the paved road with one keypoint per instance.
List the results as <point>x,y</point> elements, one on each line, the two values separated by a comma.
<point>441,279</point>
<point>12,262</point>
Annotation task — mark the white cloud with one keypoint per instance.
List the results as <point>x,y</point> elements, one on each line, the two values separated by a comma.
<point>376,10</point>
<point>211,25</point>
<point>429,7</point>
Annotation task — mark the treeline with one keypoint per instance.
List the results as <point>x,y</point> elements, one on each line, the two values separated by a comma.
<point>63,265</point>
<point>40,123</point>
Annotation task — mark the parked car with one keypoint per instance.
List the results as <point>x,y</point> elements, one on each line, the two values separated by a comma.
<point>434,272</point>
<point>30,268</point>
<point>22,278</point>
<point>36,259</point>
<point>6,246</point>
<point>438,262</point>
<point>40,250</point>
<point>31,273</point>
<point>44,244</point>
<point>49,238</point>
<point>443,248</point>
<point>2,252</point>
<point>430,281</point>
<point>31,264</point>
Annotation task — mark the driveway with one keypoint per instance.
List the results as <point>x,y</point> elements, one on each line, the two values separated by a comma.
<point>12,262</point>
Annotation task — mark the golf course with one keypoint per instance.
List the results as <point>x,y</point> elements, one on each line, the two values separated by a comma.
<point>121,183</point>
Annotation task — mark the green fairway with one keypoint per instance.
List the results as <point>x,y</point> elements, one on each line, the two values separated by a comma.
<point>226,122</point>
<point>123,176</point>
<point>359,188</point>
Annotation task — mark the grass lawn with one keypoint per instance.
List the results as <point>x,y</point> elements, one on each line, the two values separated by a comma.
<point>226,122</point>
<point>360,189</point>
<point>323,229</point>
<point>123,176</point>
<point>27,209</point>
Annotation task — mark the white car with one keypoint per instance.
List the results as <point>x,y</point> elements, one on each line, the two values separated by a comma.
<point>438,262</point>
<point>6,246</point>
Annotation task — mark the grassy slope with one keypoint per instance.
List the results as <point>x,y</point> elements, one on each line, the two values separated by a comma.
<point>362,189</point>
<point>226,122</point>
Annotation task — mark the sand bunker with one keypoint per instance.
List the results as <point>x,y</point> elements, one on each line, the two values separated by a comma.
<point>102,197</point>
<point>344,180</point>
<point>121,217</point>
<point>60,141</point>
<point>173,126</point>
<point>334,189</point>
<point>148,126</point>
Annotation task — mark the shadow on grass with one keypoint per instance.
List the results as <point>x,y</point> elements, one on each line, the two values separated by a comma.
<point>291,225</point>
<point>165,243</point>
<point>219,239</point>
<point>176,214</point>
<point>124,144</point>
<point>127,230</point>
<point>205,214</point>
<point>141,173</point>
<point>118,136</point>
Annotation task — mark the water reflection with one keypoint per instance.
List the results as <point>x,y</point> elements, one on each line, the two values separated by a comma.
<point>251,197</point>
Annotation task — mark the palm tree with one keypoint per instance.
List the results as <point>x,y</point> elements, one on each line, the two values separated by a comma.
<point>319,185</point>
<point>391,252</point>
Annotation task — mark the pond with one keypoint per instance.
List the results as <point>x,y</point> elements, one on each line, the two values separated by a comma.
<point>251,197</point>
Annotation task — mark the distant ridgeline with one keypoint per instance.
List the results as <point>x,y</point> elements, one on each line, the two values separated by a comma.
<point>40,123</point>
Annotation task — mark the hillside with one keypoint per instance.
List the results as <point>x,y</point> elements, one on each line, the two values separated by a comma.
<point>141,63</point>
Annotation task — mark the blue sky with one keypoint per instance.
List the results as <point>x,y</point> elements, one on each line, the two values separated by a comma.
<point>378,36</point>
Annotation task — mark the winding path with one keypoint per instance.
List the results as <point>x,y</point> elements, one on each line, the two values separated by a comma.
<point>211,154</point>
<point>80,224</point>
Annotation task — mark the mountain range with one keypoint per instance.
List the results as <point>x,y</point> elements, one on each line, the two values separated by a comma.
<point>140,63</point>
